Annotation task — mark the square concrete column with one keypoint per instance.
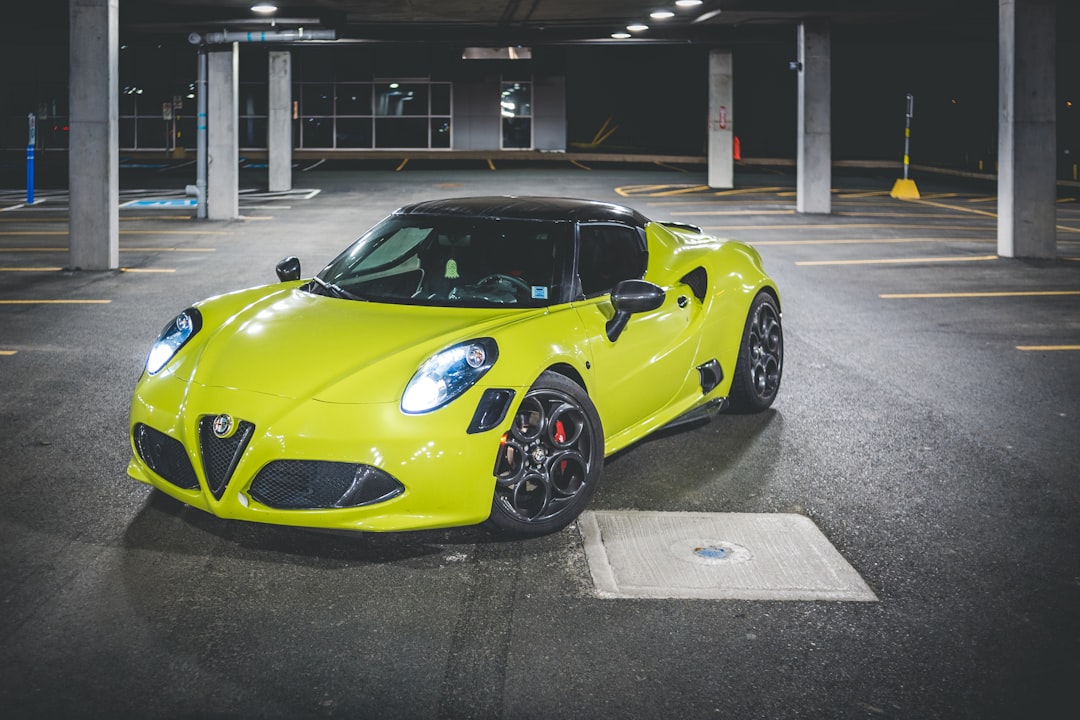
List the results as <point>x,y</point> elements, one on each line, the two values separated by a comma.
<point>814,155</point>
<point>94,144</point>
<point>1027,130</point>
<point>279,137</point>
<point>721,162</point>
<point>223,144</point>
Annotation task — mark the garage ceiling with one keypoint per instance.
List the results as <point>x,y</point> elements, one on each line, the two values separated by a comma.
<point>545,22</point>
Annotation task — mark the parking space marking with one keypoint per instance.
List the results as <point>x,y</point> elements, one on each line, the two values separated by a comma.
<point>147,270</point>
<point>8,353</point>
<point>900,261</point>
<point>863,241</point>
<point>30,269</point>
<point>55,302</point>
<point>123,249</point>
<point>1040,348</point>
<point>1017,293</point>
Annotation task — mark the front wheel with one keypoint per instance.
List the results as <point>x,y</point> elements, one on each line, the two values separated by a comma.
<point>761,357</point>
<point>548,464</point>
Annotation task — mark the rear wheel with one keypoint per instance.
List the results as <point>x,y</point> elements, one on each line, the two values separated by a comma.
<point>549,463</point>
<point>761,357</point>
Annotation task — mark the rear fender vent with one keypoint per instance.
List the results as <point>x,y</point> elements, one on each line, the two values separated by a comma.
<point>698,282</point>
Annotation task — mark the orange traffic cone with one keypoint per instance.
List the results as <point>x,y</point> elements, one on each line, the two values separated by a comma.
<point>736,150</point>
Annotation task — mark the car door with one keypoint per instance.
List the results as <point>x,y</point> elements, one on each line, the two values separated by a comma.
<point>651,362</point>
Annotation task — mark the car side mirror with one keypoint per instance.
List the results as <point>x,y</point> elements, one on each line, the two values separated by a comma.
<point>629,297</point>
<point>288,269</point>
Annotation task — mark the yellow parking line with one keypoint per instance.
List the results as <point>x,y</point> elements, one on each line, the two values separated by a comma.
<point>719,213</point>
<point>888,261</point>
<point>55,302</point>
<point>985,213</point>
<point>65,233</point>
<point>746,191</point>
<point>8,352</point>
<point>123,249</point>
<point>580,165</point>
<point>856,241</point>
<point>147,270</point>
<point>30,269</point>
<point>1028,293</point>
<point>1037,348</point>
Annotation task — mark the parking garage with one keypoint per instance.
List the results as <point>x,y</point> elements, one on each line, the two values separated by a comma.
<point>895,537</point>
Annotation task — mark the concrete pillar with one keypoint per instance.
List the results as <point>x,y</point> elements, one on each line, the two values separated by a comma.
<point>223,143</point>
<point>94,140</point>
<point>1027,130</point>
<point>279,137</point>
<point>814,156</point>
<point>721,162</point>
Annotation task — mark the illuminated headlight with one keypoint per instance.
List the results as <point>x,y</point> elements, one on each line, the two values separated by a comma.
<point>172,338</point>
<point>447,374</point>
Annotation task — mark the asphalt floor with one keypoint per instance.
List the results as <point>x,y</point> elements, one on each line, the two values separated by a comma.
<point>928,423</point>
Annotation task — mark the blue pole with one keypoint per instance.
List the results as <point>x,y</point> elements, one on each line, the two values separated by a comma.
<point>29,174</point>
<point>31,142</point>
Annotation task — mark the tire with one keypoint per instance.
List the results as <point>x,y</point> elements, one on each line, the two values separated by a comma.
<point>549,463</point>
<point>761,357</point>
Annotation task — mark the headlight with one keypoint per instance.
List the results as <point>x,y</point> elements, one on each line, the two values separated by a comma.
<point>447,374</point>
<point>172,338</point>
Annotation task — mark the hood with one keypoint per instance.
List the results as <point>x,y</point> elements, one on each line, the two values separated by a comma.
<point>290,343</point>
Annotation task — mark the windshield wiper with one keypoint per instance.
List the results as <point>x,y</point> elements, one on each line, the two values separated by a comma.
<point>334,290</point>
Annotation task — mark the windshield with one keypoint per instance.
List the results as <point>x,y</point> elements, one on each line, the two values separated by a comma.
<point>452,261</point>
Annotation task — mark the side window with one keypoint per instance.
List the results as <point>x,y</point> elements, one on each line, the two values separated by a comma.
<point>608,254</point>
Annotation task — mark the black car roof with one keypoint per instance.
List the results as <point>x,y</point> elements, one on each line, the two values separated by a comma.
<point>528,208</point>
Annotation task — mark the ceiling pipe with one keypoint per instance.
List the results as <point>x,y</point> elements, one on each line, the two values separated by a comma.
<point>299,35</point>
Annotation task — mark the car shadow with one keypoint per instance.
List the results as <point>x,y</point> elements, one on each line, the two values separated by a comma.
<point>716,464</point>
<point>166,525</point>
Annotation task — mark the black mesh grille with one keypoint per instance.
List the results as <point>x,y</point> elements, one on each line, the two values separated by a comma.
<point>310,484</point>
<point>220,455</point>
<point>165,456</point>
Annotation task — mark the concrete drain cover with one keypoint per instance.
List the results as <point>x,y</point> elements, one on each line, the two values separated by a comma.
<point>733,556</point>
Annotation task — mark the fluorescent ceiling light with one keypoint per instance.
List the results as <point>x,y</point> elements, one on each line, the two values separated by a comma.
<point>661,14</point>
<point>620,35</point>
<point>688,3</point>
<point>637,27</point>
<point>264,8</point>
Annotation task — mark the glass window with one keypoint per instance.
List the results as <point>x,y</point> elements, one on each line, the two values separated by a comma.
<point>516,99</point>
<point>318,132</point>
<point>608,254</point>
<point>354,99</point>
<point>516,133</point>
<point>440,132</point>
<point>455,261</point>
<point>253,132</point>
<point>317,99</point>
<point>353,132</point>
<point>440,98</point>
<point>401,133</point>
<point>254,99</point>
<point>401,98</point>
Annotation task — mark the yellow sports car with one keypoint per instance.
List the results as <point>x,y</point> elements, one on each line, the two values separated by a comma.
<point>466,360</point>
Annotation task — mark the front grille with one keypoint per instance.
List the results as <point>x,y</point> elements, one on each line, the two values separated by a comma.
<point>165,456</point>
<point>312,484</point>
<point>220,455</point>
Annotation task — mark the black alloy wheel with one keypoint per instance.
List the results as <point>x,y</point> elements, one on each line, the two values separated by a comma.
<point>761,357</point>
<point>548,464</point>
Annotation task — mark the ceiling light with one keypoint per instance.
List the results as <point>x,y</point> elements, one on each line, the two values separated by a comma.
<point>688,3</point>
<point>661,14</point>
<point>620,35</point>
<point>264,8</point>
<point>637,27</point>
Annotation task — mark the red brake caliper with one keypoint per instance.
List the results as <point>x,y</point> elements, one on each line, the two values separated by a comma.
<point>560,437</point>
